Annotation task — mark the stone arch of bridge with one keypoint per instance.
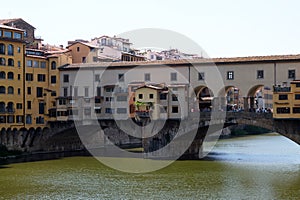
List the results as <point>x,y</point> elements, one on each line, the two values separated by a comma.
<point>254,98</point>
<point>204,97</point>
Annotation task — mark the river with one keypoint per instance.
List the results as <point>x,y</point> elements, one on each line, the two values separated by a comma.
<point>252,167</point>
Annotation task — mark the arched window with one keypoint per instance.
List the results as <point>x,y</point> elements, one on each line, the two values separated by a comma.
<point>2,61</point>
<point>10,90</point>
<point>10,107</point>
<point>10,62</point>
<point>2,90</point>
<point>2,107</point>
<point>10,75</point>
<point>10,50</point>
<point>2,75</point>
<point>53,65</point>
<point>2,48</point>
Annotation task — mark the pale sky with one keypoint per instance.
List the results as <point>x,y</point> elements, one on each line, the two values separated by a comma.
<point>222,28</point>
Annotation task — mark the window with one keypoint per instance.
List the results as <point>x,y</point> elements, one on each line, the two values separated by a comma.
<point>53,65</point>
<point>10,50</point>
<point>62,102</point>
<point>83,59</point>
<point>121,110</point>
<point>10,90</point>
<point>2,48</point>
<point>200,76</point>
<point>230,75</point>
<point>121,98</point>
<point>283,110</point>
<point>98,91</point>
<point>97,110</point>
<point>297,84</point>
<point>86,91</point>
<point>140,96</point>
<point>28,90</point>
<point>19,49</point>
<point>174,109</point>
<point>66,78</point>
<point>163,96</point>
<point>296,109</point>
<point>53,79</point>
<point>174,97</point>
<point>283,97</point>
<point>109,99</point>
<point>109,89</point>
<point>39,92</point>
<point>19,63</point>
<point>29,63</point>
<point>28,119</point>
<point>173,76</point>
<point>2,61</point>
<point>7,34</point>
<point>41,77</point>
<point>10,62</point>
<point>147,77</point>
<point>78,49</point>
<point>28,104</point>
<point>151,96</point>
<point>260,74</point>
<point>65,91</point>
<point>19,91</point>
<point>109,110</point>
<point>36,64</point>
<point>53,93</point>
<point>19,106</point>
<point>41,108</point>
<point>29,77</point>
<point>43,64</point>
<point>2,75</point>
<point>97,77</point>
<point>19,119</point>
<point>121,77</point>
<point>10,75</point>
<point>297,96</point>
<point>19,76</point>
<point>17,35</point>
<point>2,90</point>
<point>292,74</point>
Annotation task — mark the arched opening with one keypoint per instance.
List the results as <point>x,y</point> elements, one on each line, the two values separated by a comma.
<point>233,98</point>
<point>53,65</point>
<point>2,90</point>
<point>10,75</point>
<point>204,97</point>
<point>10,62</point>
<point>2,61</point>
<point>10,50</point>
<point>259,98</point>
<point>2,75</point>
<point>10,90</point>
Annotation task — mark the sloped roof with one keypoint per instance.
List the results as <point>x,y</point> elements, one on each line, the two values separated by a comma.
<point>84,43</point>
<point>7,21</point>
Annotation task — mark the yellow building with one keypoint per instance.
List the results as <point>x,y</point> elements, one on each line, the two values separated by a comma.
<point>12,47</point>
<point>42,85</point>
<point>286,101</point>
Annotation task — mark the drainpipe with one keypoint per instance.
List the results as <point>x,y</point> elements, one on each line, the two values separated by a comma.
<point>275,74</point>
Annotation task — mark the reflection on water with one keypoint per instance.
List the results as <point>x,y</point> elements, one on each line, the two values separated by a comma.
<point>255,167</point>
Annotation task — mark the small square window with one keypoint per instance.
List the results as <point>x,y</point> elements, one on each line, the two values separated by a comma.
<point>66,78</point>
<point>230,75</point>
<point>151,96</point>
<point>174,109</point>
<point>147,77</point>
<point>140,96</point>
<point>292,74</point>
<point>173,76</point>
<point>260,74</point>
<point>201,76</point>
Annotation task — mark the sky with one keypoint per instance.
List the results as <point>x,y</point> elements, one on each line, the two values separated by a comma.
<point>223,28</point>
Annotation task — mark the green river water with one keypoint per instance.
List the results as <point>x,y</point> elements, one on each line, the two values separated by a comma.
<point>253,167</point>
